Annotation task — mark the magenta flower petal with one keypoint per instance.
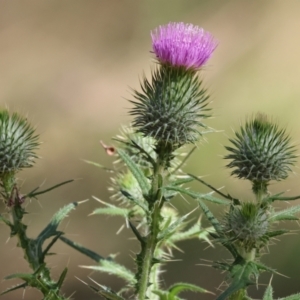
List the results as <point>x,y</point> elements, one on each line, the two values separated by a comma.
<point>182,44</point>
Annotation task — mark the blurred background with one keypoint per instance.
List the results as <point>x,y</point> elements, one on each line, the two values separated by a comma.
<point>70,66</point>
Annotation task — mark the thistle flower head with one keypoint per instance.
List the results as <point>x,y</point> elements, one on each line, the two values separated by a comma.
<point>18,143</point>
<point>184,45</point>
<point>247,225</point>
<point>171,107</point>
<point>261,151</point>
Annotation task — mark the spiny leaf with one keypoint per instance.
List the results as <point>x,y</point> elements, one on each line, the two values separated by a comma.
<point>217,226</point>
<point>171,228</point>
<point>51,228</point>
<point>196,195</point>
<point>14,288</point>
<point>291,297</point>
<point>112,211</point>
<point>193,232</point>
<point>107,293</point>
<point>25,276</point>
<point>136,171</point>
<point>135,201</point>
<point>274,233</point>
<point>278,198</point>
<point>62,278</point>
<point>235,201</point>
<point>91,254</point>
<point>268,295</point>
<point>113,268</point>
<point>180,287</point>
<point>98,165</point>
<point>181,181</point>
<point>285,214</point>
<point>33,194</point>
<point>241,275</point>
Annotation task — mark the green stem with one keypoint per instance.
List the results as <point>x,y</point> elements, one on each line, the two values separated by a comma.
<point>148,253</point>
<point>146,258</point>
<point>41,278</point>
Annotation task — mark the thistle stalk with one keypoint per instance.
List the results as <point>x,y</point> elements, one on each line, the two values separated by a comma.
<point>146,257</point>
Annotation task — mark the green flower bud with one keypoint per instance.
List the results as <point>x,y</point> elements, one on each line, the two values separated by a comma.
<point>247,225</point>
<point>17,151</point>
<point>261,151</point>
<point>18,143</point>
<point>171,107</point>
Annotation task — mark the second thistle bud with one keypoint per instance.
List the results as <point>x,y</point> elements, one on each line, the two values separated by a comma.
<point>247,226</point>
<point>18,143</point>
<point>261,151</point>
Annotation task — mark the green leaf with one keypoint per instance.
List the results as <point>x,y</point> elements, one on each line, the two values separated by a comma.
<point>112,211</point>
<point>268,295</point>
<point>285,214</point>
<point>194,231</point>
<point>109,295</point>
<point>14,288</point>
<point>62,278</point>
<point>135,201</point>
<point>113,268</point>
<point>217,226</point>
<point>98,165</point>
<point>181,181</point>
<point>136,171</point>
<point>292,297</point>
<point>278,198</point>
<point>196,195</point>
<point>25,276</point>
<point>271,234</point>
<point>51,228</point>
<point>177,288</point>
<point>235,201</point>
<point>241,274</point>
<point>33,194</point>
<point>167,232</point>
<point>91,254</point>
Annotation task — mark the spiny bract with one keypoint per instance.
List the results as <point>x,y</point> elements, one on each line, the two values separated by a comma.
<point>171,107</point>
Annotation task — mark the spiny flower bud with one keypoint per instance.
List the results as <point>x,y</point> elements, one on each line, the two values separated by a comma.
<point>183,45</point>
<point>171,107</point>
<point>18,143</point>
<point>261,151</point>
<point>247,225</point>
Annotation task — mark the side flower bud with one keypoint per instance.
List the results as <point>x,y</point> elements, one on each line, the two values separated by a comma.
<point>247,227</point>
<point>261,151</point>
<point>18,143</point>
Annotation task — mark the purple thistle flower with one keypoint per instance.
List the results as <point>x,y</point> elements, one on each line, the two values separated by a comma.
<point>182,44</point>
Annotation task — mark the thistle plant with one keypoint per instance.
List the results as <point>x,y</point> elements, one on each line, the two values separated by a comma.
<point>260,152</point>
<point>18,145</point>
<point>169,112</point>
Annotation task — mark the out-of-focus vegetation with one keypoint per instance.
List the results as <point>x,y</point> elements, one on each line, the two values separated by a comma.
<point>69,66</point>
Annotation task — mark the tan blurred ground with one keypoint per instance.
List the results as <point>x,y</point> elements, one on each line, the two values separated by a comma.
<point>70,65</point>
